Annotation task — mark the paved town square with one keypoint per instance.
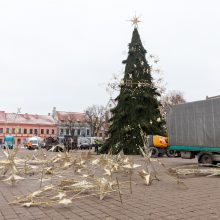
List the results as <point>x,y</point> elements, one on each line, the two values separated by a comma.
<point>109,110</point>
<point>198,198</point>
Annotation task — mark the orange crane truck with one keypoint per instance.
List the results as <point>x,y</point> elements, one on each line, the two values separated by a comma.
<point>159,146</point>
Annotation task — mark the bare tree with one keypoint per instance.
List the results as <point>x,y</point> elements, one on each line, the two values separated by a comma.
<point>95,117</point>
<point>174,97</point>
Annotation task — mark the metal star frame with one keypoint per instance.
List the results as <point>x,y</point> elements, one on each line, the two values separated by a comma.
<point>135,20</point>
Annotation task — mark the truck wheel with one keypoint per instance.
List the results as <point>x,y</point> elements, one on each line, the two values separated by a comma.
<point>160,154</point>
<point>171,153</point>
<point>205,158</point>
<point>154,152</point>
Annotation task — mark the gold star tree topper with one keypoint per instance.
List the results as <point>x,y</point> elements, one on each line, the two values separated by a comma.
<point>135,20</point>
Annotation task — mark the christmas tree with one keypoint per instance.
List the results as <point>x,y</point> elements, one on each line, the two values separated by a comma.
<point>138,105</point>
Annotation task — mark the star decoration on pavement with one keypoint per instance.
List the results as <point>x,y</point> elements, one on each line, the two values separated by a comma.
<point>135,20</point>
<point>65,201</point>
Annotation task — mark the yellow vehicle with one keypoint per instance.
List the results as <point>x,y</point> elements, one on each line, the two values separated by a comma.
<point>159,146</point>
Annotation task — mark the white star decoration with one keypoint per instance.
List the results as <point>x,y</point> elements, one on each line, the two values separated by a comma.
<point>135,20</point>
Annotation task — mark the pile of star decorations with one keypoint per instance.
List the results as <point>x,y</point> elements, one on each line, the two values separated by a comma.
<point>196,170</point>
<point>71,176</point>
<point>65,177</point>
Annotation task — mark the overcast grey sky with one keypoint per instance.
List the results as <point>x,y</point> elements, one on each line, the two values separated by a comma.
<point>63,52</point>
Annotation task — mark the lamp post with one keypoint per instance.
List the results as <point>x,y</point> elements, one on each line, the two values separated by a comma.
<point>17,127</point>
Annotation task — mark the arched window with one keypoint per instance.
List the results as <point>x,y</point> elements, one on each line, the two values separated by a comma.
<point>19,141</point>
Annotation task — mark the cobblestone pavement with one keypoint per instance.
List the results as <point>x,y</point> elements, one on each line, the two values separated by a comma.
<point>164,199</point>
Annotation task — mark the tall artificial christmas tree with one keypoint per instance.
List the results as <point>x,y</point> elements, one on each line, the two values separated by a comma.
<point>138,104</point>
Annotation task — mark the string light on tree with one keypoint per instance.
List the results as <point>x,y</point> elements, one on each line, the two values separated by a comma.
<point>130,83</point>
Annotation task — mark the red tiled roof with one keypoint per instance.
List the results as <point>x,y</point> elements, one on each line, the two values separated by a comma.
<point>29,119</point>
<point>2,116</point>
<point>73,116</point>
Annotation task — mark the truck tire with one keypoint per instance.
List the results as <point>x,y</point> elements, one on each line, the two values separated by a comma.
<point>161,154</point>
<point>205,158</point>
<point>171,153</point>
<point>154,152</point>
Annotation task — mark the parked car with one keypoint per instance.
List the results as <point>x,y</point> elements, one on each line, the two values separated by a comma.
<point>85,146</point>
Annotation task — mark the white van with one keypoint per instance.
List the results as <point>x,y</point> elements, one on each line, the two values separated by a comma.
<point>36,142</point>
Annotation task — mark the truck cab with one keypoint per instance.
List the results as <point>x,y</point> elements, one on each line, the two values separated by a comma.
<point>8,142</point>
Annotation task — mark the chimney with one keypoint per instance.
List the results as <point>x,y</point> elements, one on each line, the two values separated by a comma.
<point>27,116</point>
<point>49,114</point>
<point>54,112</point>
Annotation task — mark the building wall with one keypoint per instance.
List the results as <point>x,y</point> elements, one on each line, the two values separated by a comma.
<point>79,130</point>
<point>67,121</point>
<point>23,131</point>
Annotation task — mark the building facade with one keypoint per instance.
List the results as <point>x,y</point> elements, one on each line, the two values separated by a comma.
<point>110,105</point>
<point>102,132</point>
<point>71,123</point>
<point>23,126</point>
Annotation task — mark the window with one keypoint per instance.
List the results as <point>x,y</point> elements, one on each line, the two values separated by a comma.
<point>100,134</point>
<point>78,132</point>
<point>72,132</point>
<point>0,141</point>
<point>42,131</point>
<point>25,130</point>
<point>31,131</point>
<point>35,131</point>
<point>67,131</point>
<point>61,131</point>
<point>19,130</point>
<point>87,132</point>
<point>83,133</point>
<point>1,130</point>
<point>52,131</point>
<point>19,141</point>
<point>13,130</point>
<point>7,130</point>
<point>47,131</point>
